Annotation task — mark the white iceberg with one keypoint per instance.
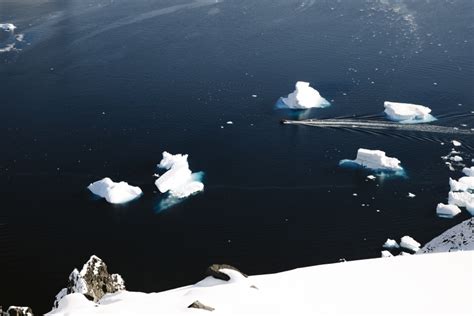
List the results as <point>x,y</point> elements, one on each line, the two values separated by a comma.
<point>408,113</point>
<point>304,97</point>
<point>115,192</point>
<point>457,238</point>
<point>456,143</point>
<point>456,158</point>
<point>390,244</point>
<point>179,181</point>
<point>468,171</point>
<point>447,210</point>
<point>374,159</point>
<point>409,243</point>
<point>462,199</point>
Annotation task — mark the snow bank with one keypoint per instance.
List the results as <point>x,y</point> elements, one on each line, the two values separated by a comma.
<point>304,97</point>
<point>349,288</point>
<point>408,113</point>
<point>375,160</point>
<point>115,192</point>
<point>179,181</point>
<point>409,243</point>
<point>458,238</point>
<point>447,210</point>
<point>386,254</point>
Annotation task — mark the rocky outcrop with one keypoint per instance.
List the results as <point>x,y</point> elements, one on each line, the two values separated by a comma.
<point>17,311</point>
<point>458,238</point>
<point>93,281</point>
<point>199,305</point>
<point>215,271</point>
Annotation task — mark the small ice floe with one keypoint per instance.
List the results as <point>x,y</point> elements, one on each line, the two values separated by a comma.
<point>254,95</point>
<point>408,113</point>
<point>371,177</point>
<point>374,160</point>
<point>229,122</point>
<point>115,192</point>
<point>411,195</point>
<point>179,181</point>
<point>304,97</point>
<point>462,199</point>
<point>447,210</point>
<point>390,244</point>
<point>409,243</point>
<point>456,143</point>
<point>9,27</point>
<point>456,158</point>
<point>468,171</point>
<point>463,184</point>
<point>386,254</point>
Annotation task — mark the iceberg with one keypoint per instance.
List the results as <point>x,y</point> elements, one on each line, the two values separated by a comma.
<point>464,184</point>
<point>304,97</point>
<point>390,244</point>
<point>462,199</point>
<point>179,181</point>
<point>408,113</point>
<point>456,143</point>
<point>447,210</point>
<point>468,171</point>
<point>409,243</point>
<point>375,160</point>
<point>115,192</point>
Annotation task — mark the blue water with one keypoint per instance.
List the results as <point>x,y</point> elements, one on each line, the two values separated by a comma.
<point>102,88</point>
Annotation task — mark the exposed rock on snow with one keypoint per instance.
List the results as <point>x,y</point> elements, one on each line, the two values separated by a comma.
<point>17,311</point>
<point>447,210</point>
<point>374,159</point>
<point>462,199</point>
<point>199,305</point>
<point>458,238</point>
<point>115,192</point>
<point>218,271</point>
<point>304,97</point>
<point>408,113</point>
<point>409,243</point>
<point>179,181</point>
<point>390,244</point>
<point>93,281</point>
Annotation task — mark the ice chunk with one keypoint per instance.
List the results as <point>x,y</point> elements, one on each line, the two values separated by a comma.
<point>468,171</point>
<point>456,158</point>
<point>390,244</point>
<point>447,210</point>
<point>374,159</point>
<point>115,192</point>
<point>371,177</point>
<point>304,97</point>
<point>456,143</point>
<point>411,195</point>
<point>386,254</point>
<point>462,199</point>
<point>463,184</point>
<point>409,243</point>
<point>9,27</point>
<point>408,113</point>
<point>179,181</point>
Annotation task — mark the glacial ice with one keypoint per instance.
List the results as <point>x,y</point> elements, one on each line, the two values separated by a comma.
<point>462,199</point>
<point>409,243</point>
<point>447,210</point>
<point>179,181</point>
<point>408,113</point>
<point>115,192</point>
<point>304,97</point>
<point>463,184</point>
<point>374,159</point>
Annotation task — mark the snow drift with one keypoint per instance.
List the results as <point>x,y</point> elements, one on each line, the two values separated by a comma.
<point>304,97</point>
<point>408,113</point>
<point>115,192</point>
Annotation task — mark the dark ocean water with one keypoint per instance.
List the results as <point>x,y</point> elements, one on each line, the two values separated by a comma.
<point>102,88</point>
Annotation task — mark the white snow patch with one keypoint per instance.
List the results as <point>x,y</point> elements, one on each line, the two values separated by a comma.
<point>304,97</point>
<point>447,210</point>
<point>115,192</point>
<point>374,159</point>
<point>408,113</point>
<point>457,238</point>
<point>409,243</point>
<point>229,122</point>
<point>411,195</point>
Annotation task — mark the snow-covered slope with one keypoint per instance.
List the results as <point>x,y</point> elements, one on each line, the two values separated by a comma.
<point>432,284</point>
<point>460,237</point>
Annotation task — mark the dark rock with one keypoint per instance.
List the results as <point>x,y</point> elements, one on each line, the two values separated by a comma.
<point>19,311</point>
<point>200,305</point>
<point>215,272</point>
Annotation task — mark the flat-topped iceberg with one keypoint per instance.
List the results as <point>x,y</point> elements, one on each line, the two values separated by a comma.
<point>304,97</point>
<point>115,192</point>
<point>408,113</point>
<point>390,244</point>
<point>447,210</point>
<point>179,181</point>
<point>375,160</point>
<point>409,243</point>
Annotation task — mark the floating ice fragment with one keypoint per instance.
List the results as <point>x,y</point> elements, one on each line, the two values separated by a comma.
<point>408,113</point>
<point>456,143</point>
<point>374,159</point>
<point>409,243</point>
<point>371,177</point>
<point>411,195</point>
<point>447,210</point>
<point>390,244</point>
<point>386,254</point>
<point>9,27</point>
<point>115,192</point>
<point>304,97</point>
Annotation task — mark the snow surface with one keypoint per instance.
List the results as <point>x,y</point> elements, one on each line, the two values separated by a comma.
<point>115,192</point>
<point>431,284</point>
<point>457,238</point>
<point>408,113</point>
<point>375,160</point>
<point>386,254</point>
<point>304,97</point>
<point>179,181</point>
<point>447,210</point>
<point>409,243</point>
